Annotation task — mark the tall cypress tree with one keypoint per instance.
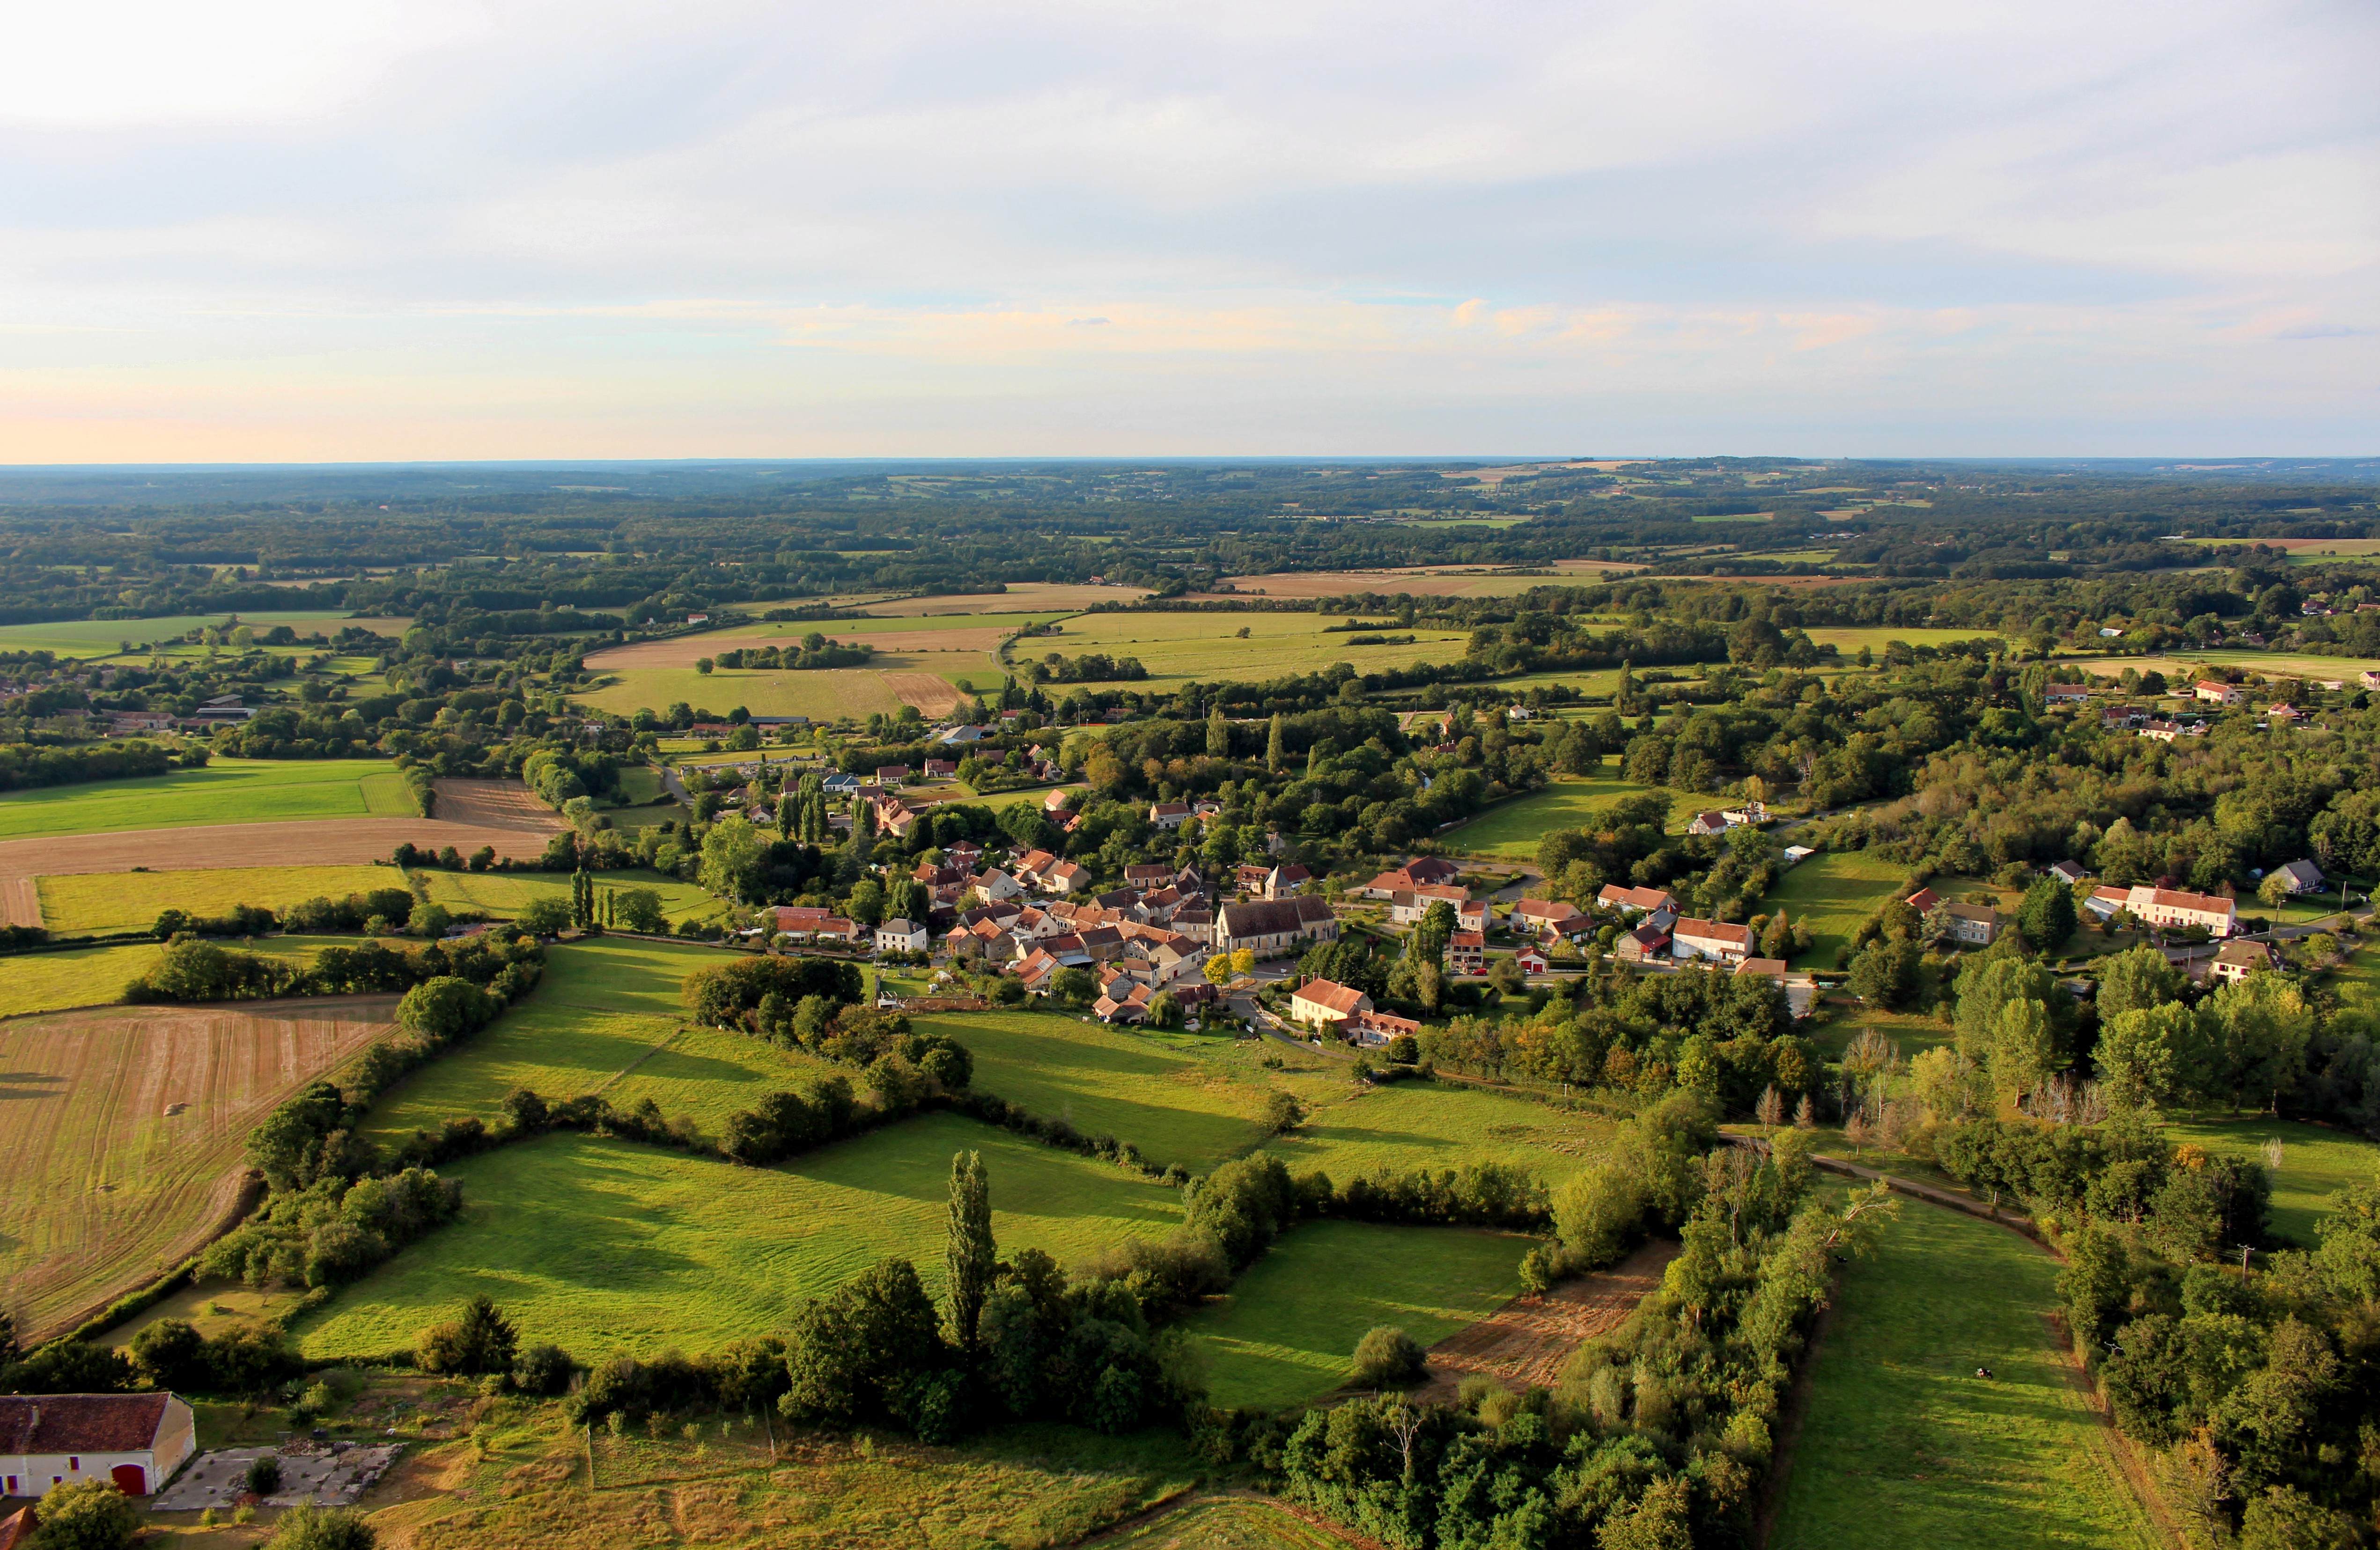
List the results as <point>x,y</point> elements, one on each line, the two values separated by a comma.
<point>1273,751</point>
<point>1218,733</point>
<point>969,1252</point>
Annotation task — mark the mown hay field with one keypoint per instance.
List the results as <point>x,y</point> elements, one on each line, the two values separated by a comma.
<point>1831,893</point>
<point>977,632</point>
<point>100,638</point>
<point>1440,1125</point>
<point>125,1129</point>
<point>1179,648</point>
<point>1847,639</point>
<point>1288,1328</point>
<point>225,792</point>
<point>1512,831</point>
<point>102,901</point>
<point>506,894</point>
<point>31,982</point>
<point>1903,1443</point>
<point>824,695</point>
<point>604,1246</point>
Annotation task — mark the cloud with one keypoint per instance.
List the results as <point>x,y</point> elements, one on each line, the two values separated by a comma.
<point>443,223</point>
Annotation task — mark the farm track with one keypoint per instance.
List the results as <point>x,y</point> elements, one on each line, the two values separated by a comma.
<point>1529,1340</point>
<point>474,813</point>
<point>125,1127</point>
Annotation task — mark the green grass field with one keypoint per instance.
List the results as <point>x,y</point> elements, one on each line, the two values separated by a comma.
<point>100,638</point>
<point>1275,1341</point>
<point>100,902</point>
<point>1847,639</point>
<point>1408,1126</point>
<point>708,1074</point>
<point>1176,1106</point>
<point>1512,831</point>
<point>226,790</point>
<point>1179,648</point>
<point>604,1245</point>
<point>97,975</point>
<point>508,893</point>
<point>2270,664</point>
<point>1902,1444</point>
<point>824,696</point>
<point>1833,893</point>
<point>1228,1523</point>
<point>2315,1162</point>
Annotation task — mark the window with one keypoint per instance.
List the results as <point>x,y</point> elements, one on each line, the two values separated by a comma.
<point>74,1465</point>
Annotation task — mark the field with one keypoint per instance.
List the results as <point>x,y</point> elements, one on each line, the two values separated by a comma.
<point>605,1245</point>
<point>967,632</point>
<point>1513,829</point>
<point>102,901</point>
<point>1833,893</point>
<point>1175,1108</point>
<point>1440,1125</point>
<point>1902,1444</point>
<point>225,792</point>
<point>1042,598</point>
<point>1228,1523</point>
<point>125,1129</point>
<point>99,638</point>
<point>1179,648</point>
<point>825,695</point>
<point>2315,1162</point>
<point>2301,550</point>
<point>35,982</point>
<point>1274,1341</point>
<point>1849,639</point>
<point>2179,666</point>
<point>508,893</point>
<point>1437,581</point>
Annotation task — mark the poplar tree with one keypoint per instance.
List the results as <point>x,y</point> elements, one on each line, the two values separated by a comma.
<point>969,1252</point>
<point>1218,733</point>
<point>1273,751</point>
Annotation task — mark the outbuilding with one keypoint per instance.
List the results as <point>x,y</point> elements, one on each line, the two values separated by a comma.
<point>135,1441</point>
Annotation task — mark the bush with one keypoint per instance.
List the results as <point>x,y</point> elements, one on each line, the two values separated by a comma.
<point>314,1528</point>
<point>482,1340</point>
<point>87,1515</point>
<point>264,1476</point>
<point>542,1370</point>
<point>447,1007</point>
<point>1389,1358</point>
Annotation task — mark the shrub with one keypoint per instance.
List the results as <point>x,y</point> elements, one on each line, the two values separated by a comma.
<point>542,1370</point>
<point>87,1515</point>
<point>264,1476</point>
<point>482,1340</point>
<point>1389,1358</point>
<point>314,1528</point>
<point>447,1007</point>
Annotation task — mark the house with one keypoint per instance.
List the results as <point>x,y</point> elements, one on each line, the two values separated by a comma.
<point>1530,961</point>
<point>1131,1006</point>
<point>1472,917</point>
<point>892,774</point>
<point>2166,907</point>
<point>2068,872</point>
<point>840,784</point>
<point>1057,802</point>
<point>2064,693</point>
<point>1376,1028</point>
<point>1972,925</point>
<point>2166,732</point>
<point>800,920</point>
<point>2238,960</point>
<point>1636,900</point>
<point>1285,880</point>
<point>1923,899</point>
<point>2283,715</point>
<point>1762,968</point>
<point>994,886</point>
<point>1169,815</point>
<point>1557,915</point>
<point>1406,907</point>
<point>1427,870</point>
<point>1322,1003</point>
<point>2121,716</point>
<point>1796,855</point>
<point>1708,823</point>
<point>1466,952</point>
<point>1710,938</point>
<point>135,1441</point>
<point>940,769</point>
<point>901,936</point>
<point>2216,693</point>
<point>1643,945</point>
<point>1270,927</point>
<point>2369,679</point>
<point>2300,876</point>
<point>1031,865</point>
<point>1250,878</point>
<point>1066,876</point>
<point>1752,813</point>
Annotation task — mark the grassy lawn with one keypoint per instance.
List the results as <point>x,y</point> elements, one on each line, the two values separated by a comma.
<point>1440,1125</point>
<point>1513,829</point>
<point>604,1245</point>
<point>2315,1162</point>
<point>505,894</point>
<point>226,790</point>
<point>1832,892</point>
<point>1902,1444</point>
<point>1911,1033</point>
<point>95,901</point>
<point>1274,1341</point>
<point>1172,1105</point>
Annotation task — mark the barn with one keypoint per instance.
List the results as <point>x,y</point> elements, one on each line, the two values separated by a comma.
<point>136,1440</point>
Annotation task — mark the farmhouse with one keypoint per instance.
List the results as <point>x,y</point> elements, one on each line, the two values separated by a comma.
<point>1708,823</point>
<point>1272,927</point>
<point>1636,900</point>
<point>2064,693</point>
<point>135,1441</point>
<point>1408,906</point>
<point>1326,1003</point>
<point>2238,960</point>
<point>1169,815</point>
<point>1973,925</point>
<point>1558,916</point>
<point>1642,945</point>
<point>1466,952</point>
<point>901,936</point>
<point>2217,692</point>
<point>1421,872</point>
<point>2300,876</point>
<point>2164,906</point>
<point>1710,938</point>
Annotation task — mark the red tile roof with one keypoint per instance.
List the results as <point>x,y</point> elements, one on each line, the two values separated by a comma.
<point>80,1423</point>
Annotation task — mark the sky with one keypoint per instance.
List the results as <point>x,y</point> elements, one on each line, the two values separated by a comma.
<point>263,230</point>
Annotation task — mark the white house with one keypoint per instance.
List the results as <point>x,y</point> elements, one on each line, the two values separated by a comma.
<point>2301,877</point>
<point>1692,937</point>
<point>137,1441</point>
<point>901,936</point>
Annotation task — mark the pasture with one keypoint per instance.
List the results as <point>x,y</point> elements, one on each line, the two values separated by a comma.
<point>225,792</point>
<point>1902,1444</point>
<point>825,695</point>
<point>100,902</point>
<point>1274,1341</point>
<point>1022,597</point>
<point>31,982</point>
<point>2177,667</point>
<point>1832,892</point>
<point>2315,1162</point>
<point>1176,1108</point>
<point>125,1133</point>
<point>1434,581</point>
<point>1177,648</point>
<point>506,894</point>
<point>1438,1126</point>
<point>1847,639</point>
<point>604,1247</point>
<point>89,638</point>
<point>1512,831</point>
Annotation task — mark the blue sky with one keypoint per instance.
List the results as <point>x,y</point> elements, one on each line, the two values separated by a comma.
<point>256,231</point>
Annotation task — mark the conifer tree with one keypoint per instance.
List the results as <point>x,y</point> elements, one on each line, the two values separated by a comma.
<point>969,1251</point>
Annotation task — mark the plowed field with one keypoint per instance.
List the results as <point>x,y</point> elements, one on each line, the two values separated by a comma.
<point>1528,1340</point>
<point>932,695</point>
<point>125,1129</point>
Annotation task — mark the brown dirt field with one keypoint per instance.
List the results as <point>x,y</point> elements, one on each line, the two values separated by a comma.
<point>125,1127</point>
<point>1422,580</point>
<point>494,804</point>
<point>679,650</point>
<point>1529,1340</point>
<point>932,695</point>
<point>1028,597</point>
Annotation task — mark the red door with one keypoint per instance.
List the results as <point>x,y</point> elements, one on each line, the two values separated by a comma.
<point>131,1479</point>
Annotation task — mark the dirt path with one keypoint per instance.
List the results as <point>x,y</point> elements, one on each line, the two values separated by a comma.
<point>1528,1340</point>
